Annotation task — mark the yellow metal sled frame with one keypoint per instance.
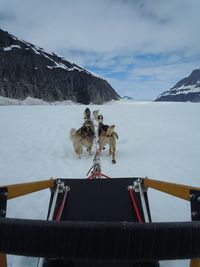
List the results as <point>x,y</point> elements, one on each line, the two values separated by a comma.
<point>18,190</point>
<point>178,190</point>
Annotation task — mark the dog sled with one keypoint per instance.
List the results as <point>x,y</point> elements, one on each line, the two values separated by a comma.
<point>100,221</point>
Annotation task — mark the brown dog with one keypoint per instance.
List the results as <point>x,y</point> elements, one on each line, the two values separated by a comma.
<point>102,128</point>
<point>82,137</point>
<point>108,137</point>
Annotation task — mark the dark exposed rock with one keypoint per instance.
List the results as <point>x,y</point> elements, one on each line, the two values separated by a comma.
<point>187,89</point>
<point>30,71</point>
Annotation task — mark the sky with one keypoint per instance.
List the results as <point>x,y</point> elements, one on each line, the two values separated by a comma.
<point>141,47</point>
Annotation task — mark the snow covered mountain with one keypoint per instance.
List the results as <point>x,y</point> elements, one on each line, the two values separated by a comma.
<point>126,97</point>
<point>187,89</point>
<point>30,71</point>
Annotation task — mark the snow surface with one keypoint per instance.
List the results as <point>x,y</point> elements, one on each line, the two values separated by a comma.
<point>5,101</point>
<point>156,139</point>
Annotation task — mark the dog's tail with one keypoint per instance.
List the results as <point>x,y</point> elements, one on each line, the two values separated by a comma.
<point>110,131</point>
<point>116,135</point>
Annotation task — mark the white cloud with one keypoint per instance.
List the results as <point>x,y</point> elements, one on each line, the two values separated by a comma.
<point>106,25</point>
<point>109,34</point>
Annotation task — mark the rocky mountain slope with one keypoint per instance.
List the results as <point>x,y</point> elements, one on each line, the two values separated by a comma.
<point>187,89</point>
<point>30,71</point>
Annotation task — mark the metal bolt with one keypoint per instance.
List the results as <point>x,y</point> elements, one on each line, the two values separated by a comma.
<point>130,187</point>
<point>192,196</point>
<point>194,213</point>
<point>61,186</point>
<point>67,188</point>
<point>4,194</point>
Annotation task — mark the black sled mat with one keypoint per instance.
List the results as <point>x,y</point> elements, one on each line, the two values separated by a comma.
<point>100,200</point>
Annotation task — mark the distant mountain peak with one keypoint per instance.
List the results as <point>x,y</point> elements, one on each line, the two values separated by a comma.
<point>187,89</point>
<point>127,97</point>
<point>27,70</point>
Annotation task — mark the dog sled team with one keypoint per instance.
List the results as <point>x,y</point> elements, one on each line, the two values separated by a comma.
<point>85,136</point>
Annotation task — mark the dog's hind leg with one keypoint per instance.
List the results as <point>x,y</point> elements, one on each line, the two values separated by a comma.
<point>112,149</point>
<point>110,152</point>
<point>101,147</point>
<point>89,149</point>
<point>78,151</point>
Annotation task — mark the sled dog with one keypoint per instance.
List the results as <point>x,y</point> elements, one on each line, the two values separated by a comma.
<point>89,124</point>
<point>107,135</point>
<point>83,137</point>
<point>102,128</point>
<point>87,114</point>
<point>95,114</point>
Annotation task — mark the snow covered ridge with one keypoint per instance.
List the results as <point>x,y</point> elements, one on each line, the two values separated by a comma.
<point>40,51</point>
<point>47,76</point>
<point>187,89</point>
<point>184,89</point>
<point>4,101</point>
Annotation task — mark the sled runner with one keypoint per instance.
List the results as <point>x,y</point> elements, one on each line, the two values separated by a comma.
<point>100,222</point>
